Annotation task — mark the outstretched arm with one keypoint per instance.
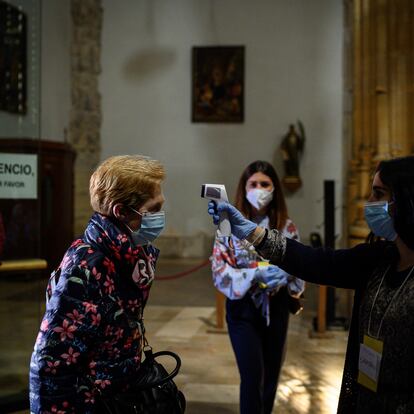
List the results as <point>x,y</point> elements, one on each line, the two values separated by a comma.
<point>340,268</point>
<point>344,268</point>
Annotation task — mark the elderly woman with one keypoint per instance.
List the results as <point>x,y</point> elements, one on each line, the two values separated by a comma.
<point>90,338</point>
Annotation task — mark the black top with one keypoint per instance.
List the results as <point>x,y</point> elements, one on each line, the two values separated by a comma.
<point>362,268</point>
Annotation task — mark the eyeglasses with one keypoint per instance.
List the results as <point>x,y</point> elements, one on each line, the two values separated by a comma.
<point>144,213</point>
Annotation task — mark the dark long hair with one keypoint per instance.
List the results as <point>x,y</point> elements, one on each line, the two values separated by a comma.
<point>398,175</point>
<point>277,210</point>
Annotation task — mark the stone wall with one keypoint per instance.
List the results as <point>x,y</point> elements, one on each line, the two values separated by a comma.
<point>85,114</point>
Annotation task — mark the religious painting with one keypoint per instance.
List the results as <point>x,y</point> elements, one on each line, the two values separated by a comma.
<point>218,84</point>
<point>13,49</point>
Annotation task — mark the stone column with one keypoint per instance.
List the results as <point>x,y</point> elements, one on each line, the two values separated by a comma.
<point>85,115</point>
<point>382,50</point>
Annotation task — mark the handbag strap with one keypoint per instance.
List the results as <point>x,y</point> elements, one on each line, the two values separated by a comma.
<point>150,357</point>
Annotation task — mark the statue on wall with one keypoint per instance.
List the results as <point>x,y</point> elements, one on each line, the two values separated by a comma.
<point>292,147</point>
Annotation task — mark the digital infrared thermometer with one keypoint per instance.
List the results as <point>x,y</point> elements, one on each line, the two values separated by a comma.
<point>217,192</point>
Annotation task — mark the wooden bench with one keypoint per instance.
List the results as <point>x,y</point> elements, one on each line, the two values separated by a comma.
<point>22,265</point>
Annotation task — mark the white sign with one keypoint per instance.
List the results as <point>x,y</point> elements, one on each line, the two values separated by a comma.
<point>18,176</point>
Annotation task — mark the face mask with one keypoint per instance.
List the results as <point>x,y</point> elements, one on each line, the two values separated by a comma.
<point>259,198</point>
<point>152,224</point>
<point>379,220</point>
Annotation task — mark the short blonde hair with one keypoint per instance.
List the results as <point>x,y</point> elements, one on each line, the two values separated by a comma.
<point>126,179</point>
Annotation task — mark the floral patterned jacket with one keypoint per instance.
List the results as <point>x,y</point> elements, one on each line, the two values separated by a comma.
<point>90,339</point>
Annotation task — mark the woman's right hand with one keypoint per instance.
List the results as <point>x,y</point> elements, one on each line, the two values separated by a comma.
<point>240,226</point>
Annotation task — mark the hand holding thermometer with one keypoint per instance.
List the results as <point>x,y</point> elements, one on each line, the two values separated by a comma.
<point>217,192</point>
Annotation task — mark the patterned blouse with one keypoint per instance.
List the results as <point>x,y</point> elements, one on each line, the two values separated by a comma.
<point>90,339</point>
<point>235,264</point>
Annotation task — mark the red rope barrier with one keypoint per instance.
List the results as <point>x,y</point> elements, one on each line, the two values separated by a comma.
<point>183,273</point>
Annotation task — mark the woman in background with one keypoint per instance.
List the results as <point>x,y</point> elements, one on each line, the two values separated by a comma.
<point>258,292</point>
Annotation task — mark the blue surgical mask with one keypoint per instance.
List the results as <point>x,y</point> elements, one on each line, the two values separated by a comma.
<point>152,224</point>
<point>379,220</point>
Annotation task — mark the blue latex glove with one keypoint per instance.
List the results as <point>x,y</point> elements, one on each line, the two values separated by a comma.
<point>271,277</point>
<point>296,286</point>
<point>240,226</point>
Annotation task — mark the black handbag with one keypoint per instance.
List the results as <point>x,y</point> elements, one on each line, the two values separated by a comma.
<point>153,392</point>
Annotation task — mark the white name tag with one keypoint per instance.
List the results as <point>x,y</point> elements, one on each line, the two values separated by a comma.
<point>369,362</point>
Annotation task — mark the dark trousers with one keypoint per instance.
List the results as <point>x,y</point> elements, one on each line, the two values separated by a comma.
<point>259,349</point>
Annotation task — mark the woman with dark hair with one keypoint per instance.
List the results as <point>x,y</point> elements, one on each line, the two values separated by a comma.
<point>379,366</point>
<point>258,292</point>
<point>276,210</point>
